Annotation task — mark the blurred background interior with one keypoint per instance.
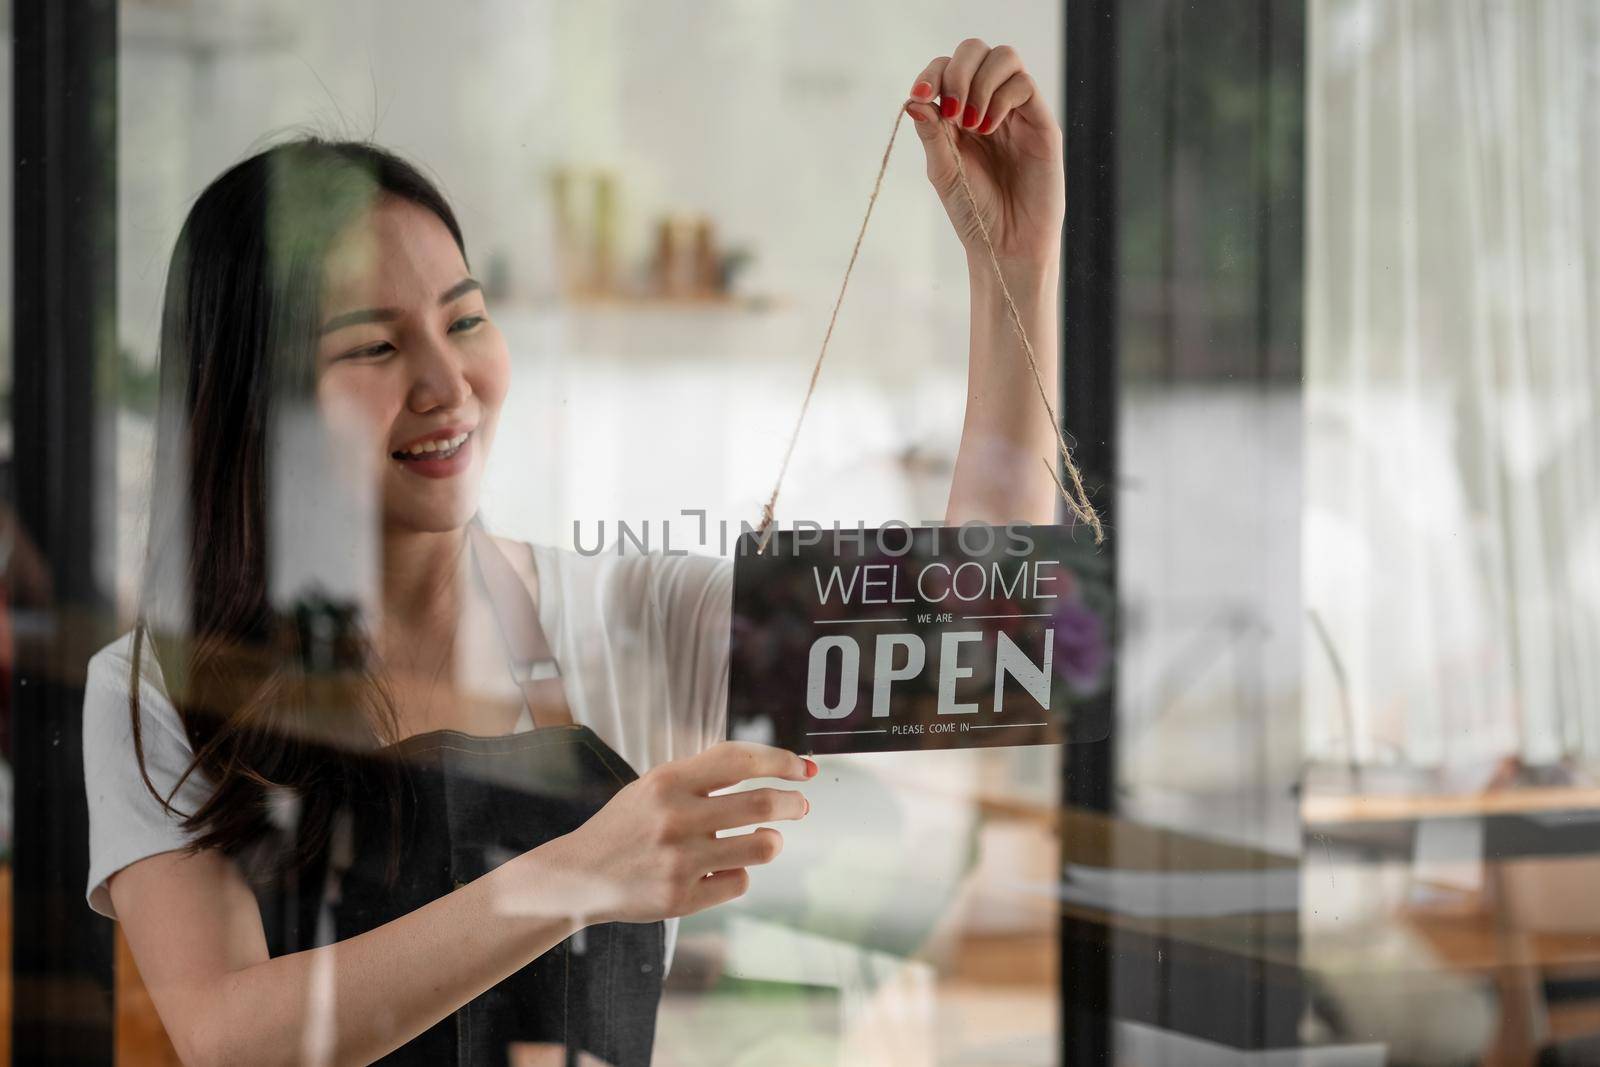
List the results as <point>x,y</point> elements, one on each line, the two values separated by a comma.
<point>1331,363</point>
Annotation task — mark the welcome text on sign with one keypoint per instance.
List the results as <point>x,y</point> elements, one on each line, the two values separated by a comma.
<point>933,583</point>
<point>937,582</point>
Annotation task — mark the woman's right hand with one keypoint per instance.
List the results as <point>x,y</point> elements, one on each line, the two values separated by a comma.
<point>653,852</point>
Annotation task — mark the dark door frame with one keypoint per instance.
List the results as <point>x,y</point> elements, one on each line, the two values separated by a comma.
<point>1089,409</point>
<point>1252,1004</point>
<point>64,118</point>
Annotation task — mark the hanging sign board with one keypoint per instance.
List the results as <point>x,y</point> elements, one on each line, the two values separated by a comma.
<point>874,640</point>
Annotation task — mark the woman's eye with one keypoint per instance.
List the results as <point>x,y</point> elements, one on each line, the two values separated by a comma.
<point>371,350</point>
<point>384,347</point>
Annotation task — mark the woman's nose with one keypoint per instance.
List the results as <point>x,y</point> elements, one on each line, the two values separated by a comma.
<point>440,380</point>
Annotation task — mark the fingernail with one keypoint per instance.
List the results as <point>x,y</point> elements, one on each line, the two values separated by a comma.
<point>916,115</point>
<point>811,768</point>
<point>988,124</point>
<point>922,89</point>
<point>807,810</point>
<point>969,117</point>
<point>948,106</point>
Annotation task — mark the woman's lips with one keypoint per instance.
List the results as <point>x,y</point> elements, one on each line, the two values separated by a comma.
<point>437,464</point>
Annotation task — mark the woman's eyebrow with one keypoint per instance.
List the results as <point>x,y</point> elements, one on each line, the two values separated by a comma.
<point>356,318</point>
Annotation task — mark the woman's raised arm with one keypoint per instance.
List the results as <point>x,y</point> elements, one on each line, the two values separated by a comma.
<point>1011,153</point>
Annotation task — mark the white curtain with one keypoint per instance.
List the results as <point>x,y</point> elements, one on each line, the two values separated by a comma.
<point>1451,546</point>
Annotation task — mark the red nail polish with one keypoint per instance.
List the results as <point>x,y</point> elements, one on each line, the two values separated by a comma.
<point>811,768</point>
<point>948,106</point>
<point>988,124</point>
<point>922,89</point>
<point>916,116</point>
<point>969,117</point>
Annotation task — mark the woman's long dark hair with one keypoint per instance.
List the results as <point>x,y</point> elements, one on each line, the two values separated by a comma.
<point>238,342</point>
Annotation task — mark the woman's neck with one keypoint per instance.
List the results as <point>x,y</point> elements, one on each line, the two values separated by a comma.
<point>428,590</point>
<point>420,572</point>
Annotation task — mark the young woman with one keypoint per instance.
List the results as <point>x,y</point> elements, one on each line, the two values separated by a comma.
<point>340,844</point>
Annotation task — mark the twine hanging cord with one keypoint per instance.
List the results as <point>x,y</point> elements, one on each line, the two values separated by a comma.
<point>1078,499</point>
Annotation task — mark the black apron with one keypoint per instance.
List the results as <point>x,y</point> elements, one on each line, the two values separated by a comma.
<point>469,804</point>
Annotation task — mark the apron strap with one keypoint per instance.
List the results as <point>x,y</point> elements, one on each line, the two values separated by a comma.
<point>533,665</point>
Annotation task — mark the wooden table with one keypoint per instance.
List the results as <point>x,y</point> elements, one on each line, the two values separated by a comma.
<point>1487,933</point>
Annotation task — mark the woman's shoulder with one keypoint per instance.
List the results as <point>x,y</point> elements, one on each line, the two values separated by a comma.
<point>117,657</point>
<point>124,786</point>
<point>108,685</point>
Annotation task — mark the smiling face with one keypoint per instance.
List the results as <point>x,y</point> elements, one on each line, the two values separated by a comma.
<point>408,351</point>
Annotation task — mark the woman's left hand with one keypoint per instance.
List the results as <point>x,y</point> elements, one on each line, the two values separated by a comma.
<point>1011,150</point>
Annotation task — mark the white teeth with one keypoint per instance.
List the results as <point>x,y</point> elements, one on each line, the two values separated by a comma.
<point>426,447</point>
